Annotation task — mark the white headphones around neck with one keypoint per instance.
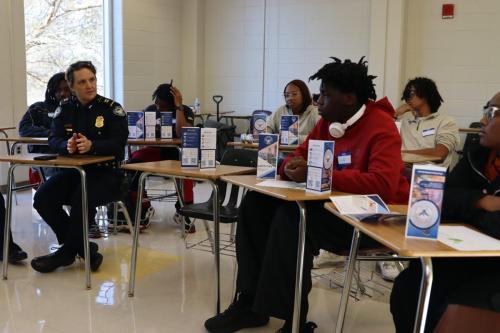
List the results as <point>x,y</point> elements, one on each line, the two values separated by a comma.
<point>337,130</point>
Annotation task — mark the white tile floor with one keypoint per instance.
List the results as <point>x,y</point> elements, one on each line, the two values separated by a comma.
<point>174,286</point>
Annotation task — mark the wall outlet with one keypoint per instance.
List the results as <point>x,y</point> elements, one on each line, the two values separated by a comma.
<point>19,150</point>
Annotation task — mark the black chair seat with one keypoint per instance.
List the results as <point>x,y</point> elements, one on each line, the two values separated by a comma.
<point>204,211</point>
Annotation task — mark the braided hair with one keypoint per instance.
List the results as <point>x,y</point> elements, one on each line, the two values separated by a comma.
<point>348,77</point>
<point>52,86</point>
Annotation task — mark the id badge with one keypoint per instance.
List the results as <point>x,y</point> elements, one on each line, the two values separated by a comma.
<point>344,159</point>
<point>428,132</point>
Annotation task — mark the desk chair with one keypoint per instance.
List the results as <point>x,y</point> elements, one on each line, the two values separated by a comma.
<point>230,196</point>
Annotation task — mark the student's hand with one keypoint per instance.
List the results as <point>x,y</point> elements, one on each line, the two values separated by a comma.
<point>71,145</point>
<point>489,203</point>
<point>296,169</point>
<point>83,144</point>
<point>403,109</point>
<point>177,96</point>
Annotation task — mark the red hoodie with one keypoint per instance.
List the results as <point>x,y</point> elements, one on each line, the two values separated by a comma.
<point>375,148</point>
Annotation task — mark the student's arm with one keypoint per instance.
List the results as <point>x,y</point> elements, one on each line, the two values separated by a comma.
<point>440,151</point>
<point>181,117</point>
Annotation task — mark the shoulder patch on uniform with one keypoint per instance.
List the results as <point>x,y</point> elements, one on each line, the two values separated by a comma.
<point>57,112</point>
<point>118,111</point>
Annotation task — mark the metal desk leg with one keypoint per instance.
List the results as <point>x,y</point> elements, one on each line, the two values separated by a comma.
<point>425,294</point>
<point>135,243</point>
<point>347,281</point>
<point>8,216</point>
<point>85,219</point>
<point>300,267</point>
<point>215,199</point>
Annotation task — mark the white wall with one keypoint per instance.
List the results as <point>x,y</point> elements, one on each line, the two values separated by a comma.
<point>12,72</point>
<point>151,48</point>
<point>460,54</point>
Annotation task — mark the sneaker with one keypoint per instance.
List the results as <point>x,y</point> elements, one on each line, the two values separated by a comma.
<point>308,327</point>
<point>389,270</point>
<point>148,216</point>
<point>16,254</point>
<point>189,226</point>
<point>327,259</point>
<point>238,315</point>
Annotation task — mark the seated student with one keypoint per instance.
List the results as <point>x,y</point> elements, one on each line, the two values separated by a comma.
<point>424,130</point>
<point>88,124</point>
<point>168,98</point>
<point>267,231</point>
<point>471,196</point>
<point>16,254</point>
<point>298,102</point>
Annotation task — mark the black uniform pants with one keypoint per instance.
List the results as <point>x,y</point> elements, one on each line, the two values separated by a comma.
<point>266,250</point>
<point>467,281</point>
<point>64,188</point>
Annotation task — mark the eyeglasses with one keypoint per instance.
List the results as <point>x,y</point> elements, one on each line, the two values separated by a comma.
<point>490,112</point>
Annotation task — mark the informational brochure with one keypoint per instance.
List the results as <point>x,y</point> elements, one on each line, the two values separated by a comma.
<point>208,147</point>
<point>362,207</point>
<point>289,130</point>
<point>166,125</point>
<point>466,239</point>
<point>320,166</point>
<point>267,158</point>
<point>150,124</point>
<point>135,124</point>
<point>190,143</point>
<point>282,184</point>
<point>259,124</point>
<point>426,197</point>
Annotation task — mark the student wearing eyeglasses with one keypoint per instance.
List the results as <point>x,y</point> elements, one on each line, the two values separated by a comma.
<point>298,102</point>
<point>472,195</point>
<point>425,130</point>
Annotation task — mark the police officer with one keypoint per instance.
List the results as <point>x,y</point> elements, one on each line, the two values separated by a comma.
<point>90,124</point>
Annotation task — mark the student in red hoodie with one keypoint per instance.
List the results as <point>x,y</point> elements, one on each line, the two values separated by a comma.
<point>367,160</point>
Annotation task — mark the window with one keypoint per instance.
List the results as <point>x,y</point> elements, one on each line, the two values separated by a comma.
<point>58,33</point>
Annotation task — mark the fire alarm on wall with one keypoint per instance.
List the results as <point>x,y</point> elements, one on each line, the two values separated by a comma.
<point>448,11</point>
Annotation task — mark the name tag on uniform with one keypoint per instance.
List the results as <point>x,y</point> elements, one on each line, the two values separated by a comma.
<point>344,159</point>
<point>429,131</point>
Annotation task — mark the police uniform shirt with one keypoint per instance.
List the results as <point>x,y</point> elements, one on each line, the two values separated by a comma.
<point>103,121</point>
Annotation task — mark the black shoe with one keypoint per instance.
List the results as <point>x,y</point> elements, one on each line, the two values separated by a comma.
<point>308,327</point>
<point>45,264</point>
<point>95,257</point>
<point>16,254</point>
<point>238,315</point>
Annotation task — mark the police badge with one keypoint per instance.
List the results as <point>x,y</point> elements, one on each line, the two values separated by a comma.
<point>99,122</point>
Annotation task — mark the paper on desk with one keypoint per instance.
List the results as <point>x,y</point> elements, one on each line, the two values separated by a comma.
<point>465,239</point>
<point>282,184</point>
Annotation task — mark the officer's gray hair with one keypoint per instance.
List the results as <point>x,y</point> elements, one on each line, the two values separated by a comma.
<point>70,72</point>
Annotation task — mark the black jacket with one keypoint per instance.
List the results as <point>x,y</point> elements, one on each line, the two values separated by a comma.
<point>465,185</point>
<point>36,122</point>
<point>103,121</point>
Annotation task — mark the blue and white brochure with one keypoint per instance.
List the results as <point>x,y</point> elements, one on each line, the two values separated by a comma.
<point>150,124</point>
<point>289,130</point>
<point>267,159</point>
<point>190,143</point>
<point>426,197</point>
<point>135,124</point>
<point>320,157</point>
<point>259,124</point>
<point>366,208</point>
<point>208,147</point>
<point>166,125</point>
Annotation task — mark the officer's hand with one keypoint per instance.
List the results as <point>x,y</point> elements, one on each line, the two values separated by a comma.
<point>71,145</point>
<point>296,169</point>
<point>83,144</point>
<point>177,96</point>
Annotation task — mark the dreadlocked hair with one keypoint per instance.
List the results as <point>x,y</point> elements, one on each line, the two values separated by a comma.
<point>162,92</point>
<point>52,86</point>
<point>348,77</point>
